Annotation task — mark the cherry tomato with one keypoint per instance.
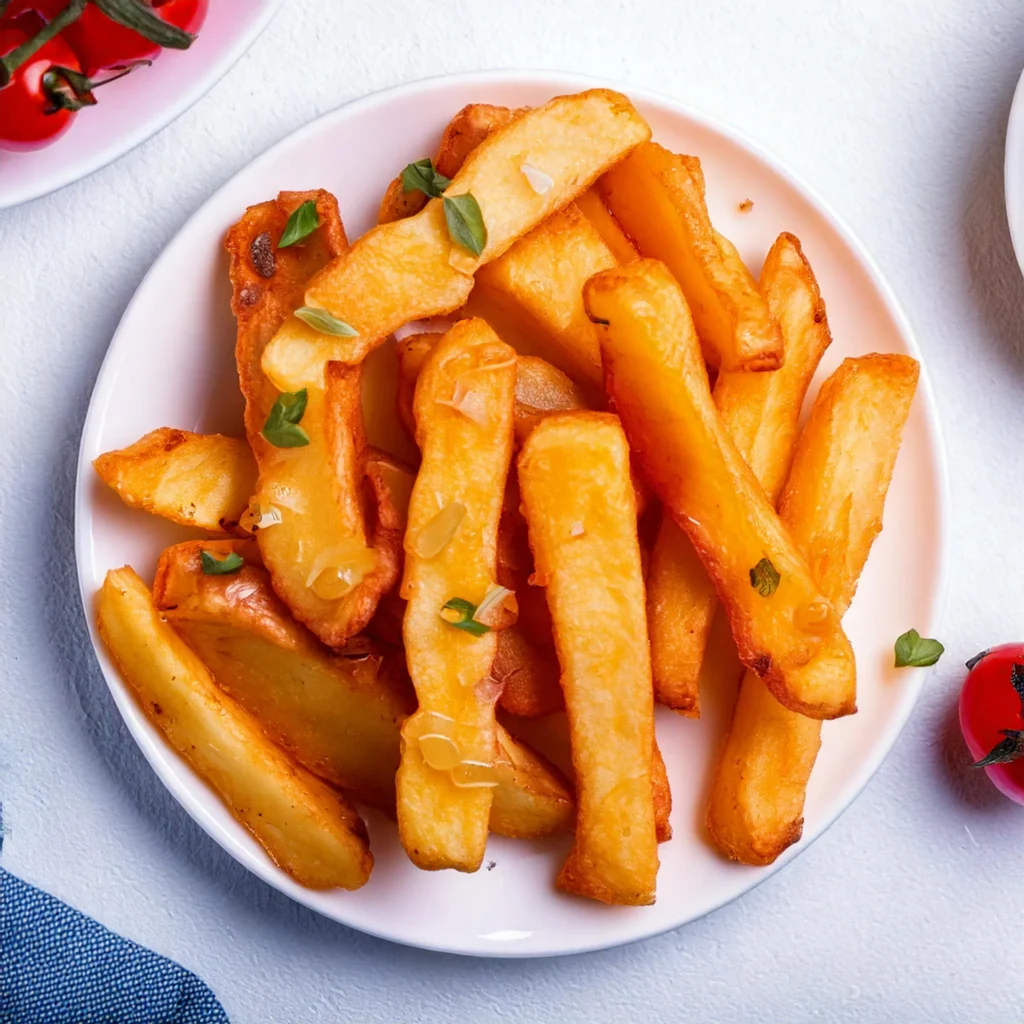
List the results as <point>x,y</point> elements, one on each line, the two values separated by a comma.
<point>102,43</point>
<point>992,716</point>
<point>25,118</point>
<point>41,10</point>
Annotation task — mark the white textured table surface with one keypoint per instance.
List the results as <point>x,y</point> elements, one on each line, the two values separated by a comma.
<point>909,908</point>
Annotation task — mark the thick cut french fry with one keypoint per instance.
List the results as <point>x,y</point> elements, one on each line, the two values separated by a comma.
<point>311,502</point>
<point>658,197</point>
<point>833,506</point>
<point>537,286</point>
<point>309,830</point>
<point>785,628</point>
<point>591,205</point>
<point>410,269</point>
<point>579,503</point>
<point>524,662</point>
<point>463,409</point>
<point>466,130</point>
<point>761,413</point>
<point>202,480</point>
<point>338,715</point>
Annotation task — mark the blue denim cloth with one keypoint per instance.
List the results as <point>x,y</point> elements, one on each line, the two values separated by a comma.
<point>58,966</point>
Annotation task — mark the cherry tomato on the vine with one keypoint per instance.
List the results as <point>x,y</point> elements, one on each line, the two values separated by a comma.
<point>27,117</point>
<point>102,44</point>
<point>42,10</point>
<point>992,716</point>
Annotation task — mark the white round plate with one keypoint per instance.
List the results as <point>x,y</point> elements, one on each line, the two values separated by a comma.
<point>1013,172</point>
<point>173,365</point>
<point>137,107</point>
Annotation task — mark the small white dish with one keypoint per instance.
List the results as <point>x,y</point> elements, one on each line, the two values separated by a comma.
<point>1013,172</point>
<point>136,107</point>
<point>173,365</point>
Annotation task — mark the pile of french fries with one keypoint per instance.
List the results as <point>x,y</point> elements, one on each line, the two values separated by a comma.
<point>477,643</point>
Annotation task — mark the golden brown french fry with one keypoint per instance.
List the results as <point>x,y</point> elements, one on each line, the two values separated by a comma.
<point>761,413</point>
<point>307,829</point>
<point>466,130</point>
<point>833,506</point>
<point>536,288</point>
<point>410,269</point>
<point>579,503</point>
<point>463,409</point>
<point>591,205</point>
<point>658,197</point>
<point>785,628</point>
<point>338,715</point>
<point>327,563</point>
<point>202,480</point>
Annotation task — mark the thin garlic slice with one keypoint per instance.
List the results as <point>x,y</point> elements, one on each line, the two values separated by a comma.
<point>434,537</point>
<point>470,403</point>
<point>540,181</point>
<point>259,517</point>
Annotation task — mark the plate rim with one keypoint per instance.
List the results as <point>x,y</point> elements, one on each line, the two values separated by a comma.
<point>158,754</point>
<point>1013,171</point>
<point>73,171</point>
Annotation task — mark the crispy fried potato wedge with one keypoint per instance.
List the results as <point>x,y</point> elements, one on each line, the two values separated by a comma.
<point>785,628</point>
<point>591,205</point>
<point>338,715</point>
<point>833,506</point>
<point>761,413</point>
<point>202,480</point>
<point>537,287</point>
<point>413,351</point>
<point>410,269</point>
<point>307,829</point>
<point>579,503</point>
<point>466,130</point>
<point>327,530</point>
<point>658,197</point>
<point>463,409</point>
<point>268,283</point>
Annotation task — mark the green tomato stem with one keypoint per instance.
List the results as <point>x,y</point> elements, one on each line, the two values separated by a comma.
<point>10,63</point>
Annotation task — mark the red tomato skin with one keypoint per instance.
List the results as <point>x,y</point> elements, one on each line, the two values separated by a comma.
<point>45,9</point>
<point>24,123</point>
<point>989,703</point>
<point>102,43</point>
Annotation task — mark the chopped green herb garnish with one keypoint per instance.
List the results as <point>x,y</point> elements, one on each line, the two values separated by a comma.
<point>213,566</point>
<point>322,321</point>
<point>458,613</point>
<point>465,223</point>
<point>422,176</point>
<point>282,428</point>
<point>301,224</point>
<point>916,651</point>
<point>764,578</point>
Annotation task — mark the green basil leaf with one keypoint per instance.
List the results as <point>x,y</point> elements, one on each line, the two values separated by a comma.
<point>301,224</point>
<point>463,619</point>
<point>144,20</point>
<point>764,578</point>
<point>422,176</point>
<point>322,321</point>
<point>915,651</point>
<point>465,223</point>
<point>1006,750</point>
<point>213,566</point>
<point>282,429</point>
